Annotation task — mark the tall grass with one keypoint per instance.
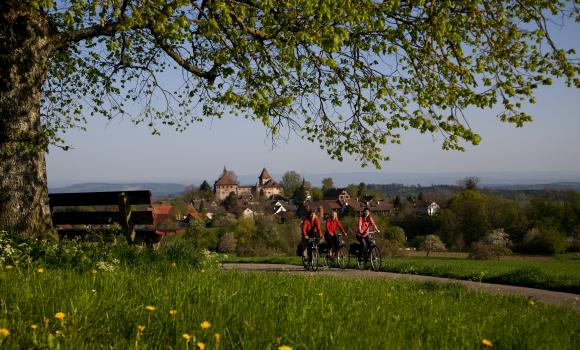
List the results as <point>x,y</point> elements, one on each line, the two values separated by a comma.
<point>264,311</point>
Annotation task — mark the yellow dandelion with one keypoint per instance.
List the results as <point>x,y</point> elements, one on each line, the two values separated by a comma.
<point>173,312</point>
<point>200,345</point>
<point>486,343</point>
<point>40,270</point>
<point>8,267</point>
<point>205,325</point>
<point>186,336</point>
<point>4,332</point>
<point>284,347</point>
<point>531,302</point>
<point>59,315</point>
<point>217,337</point>
<point>140,328</point>
<point>93,271</point>
<point>321,294</point>
<point>173,264</point>
<point>150,308</point>
<point>33,326</point>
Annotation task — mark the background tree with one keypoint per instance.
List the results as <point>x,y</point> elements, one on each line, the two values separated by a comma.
<point>352,191</point>
<point>327,184</point>
<point>316,194</point>
<point>205,191</point>
<point>348,75</point>
<point>432,243</point>
<point>291,180</point>
<point>300,193</point>
<point>179,209</point>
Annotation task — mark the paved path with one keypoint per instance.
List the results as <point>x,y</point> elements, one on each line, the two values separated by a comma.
<point>544,296</point>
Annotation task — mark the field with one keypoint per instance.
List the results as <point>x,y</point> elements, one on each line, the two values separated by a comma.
<point>561,273</point>
<point>108,309</point>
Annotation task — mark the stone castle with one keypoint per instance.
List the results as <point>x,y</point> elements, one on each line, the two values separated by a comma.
<point>265,187</point>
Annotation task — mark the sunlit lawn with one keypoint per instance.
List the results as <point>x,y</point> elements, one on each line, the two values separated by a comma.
<point>265,311</point>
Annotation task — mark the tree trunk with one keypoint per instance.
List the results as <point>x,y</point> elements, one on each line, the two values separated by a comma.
<point>24,52</point>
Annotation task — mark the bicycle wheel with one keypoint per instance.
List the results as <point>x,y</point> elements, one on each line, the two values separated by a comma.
<point>375,259</point>
<point>342,257</point>
<point>314,261</point>
<point>360,261</point>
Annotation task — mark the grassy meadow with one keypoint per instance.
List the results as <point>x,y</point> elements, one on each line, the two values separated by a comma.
<point>561,273</point>
<point>131,308</point>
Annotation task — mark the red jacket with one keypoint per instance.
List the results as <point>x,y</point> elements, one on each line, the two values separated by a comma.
<point>332,225</point>
<point>310,227</point>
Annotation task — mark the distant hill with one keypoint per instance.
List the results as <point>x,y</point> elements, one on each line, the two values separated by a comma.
<point>556,186</point>
<point>157,189</point>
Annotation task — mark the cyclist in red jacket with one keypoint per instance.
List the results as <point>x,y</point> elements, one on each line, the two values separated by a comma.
<point>310,229</point>
<point>365,222</point>
<point>332,226</point>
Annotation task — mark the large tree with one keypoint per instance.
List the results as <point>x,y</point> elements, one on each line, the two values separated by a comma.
<point>348,74</point>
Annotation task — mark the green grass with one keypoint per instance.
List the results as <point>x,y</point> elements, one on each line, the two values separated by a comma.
<point>559,274</point>
<point>265,310</point>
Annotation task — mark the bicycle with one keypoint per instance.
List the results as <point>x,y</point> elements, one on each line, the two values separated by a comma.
<point>372,253</point>
<point>337,258</point>
<point>311,261</point>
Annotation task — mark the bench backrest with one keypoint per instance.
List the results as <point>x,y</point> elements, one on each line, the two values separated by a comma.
<point>63,214</point>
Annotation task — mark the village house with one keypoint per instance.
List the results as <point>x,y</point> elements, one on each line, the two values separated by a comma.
<point>426,208</point>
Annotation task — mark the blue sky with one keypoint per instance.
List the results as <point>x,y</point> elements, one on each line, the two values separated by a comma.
<point>117,151</point>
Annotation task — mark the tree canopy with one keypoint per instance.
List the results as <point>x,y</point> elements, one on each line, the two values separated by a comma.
<point>349,74</point>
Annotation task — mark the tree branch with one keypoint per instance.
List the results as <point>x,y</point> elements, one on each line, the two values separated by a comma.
<point>208,75</point>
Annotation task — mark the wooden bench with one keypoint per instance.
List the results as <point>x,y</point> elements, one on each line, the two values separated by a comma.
<point>77,214</point>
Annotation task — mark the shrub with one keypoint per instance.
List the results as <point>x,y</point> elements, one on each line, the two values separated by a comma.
<point>391,248</point>
<point>496,243</point>
<point>396,233</point>
<point>546,241</point>
<point>432,243</point>
<point>417,242</point>
<point>228,243</point>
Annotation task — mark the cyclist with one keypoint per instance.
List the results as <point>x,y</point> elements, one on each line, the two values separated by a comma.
<point>310,229</point>
<point>365,222</point>
<point>332,225</point>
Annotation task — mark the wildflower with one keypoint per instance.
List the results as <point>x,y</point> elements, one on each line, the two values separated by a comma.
<point>4,332</point>
<point>200,345</point>
<point>59,315</point>
<point>186,336</point>
<point>217,337</point>
<point>173,264</point>
<point>40,270</point>
<point>173,312</point>
<point>531,302</point>
<point>8,267</point>
<point>150,308</point>
<point>205,325</point>
<point>321,294</point>
<point>486,343</point>
<point>93,271</point>
<point>140,328</point>
<point>284,347</point>
<point>33,326</point>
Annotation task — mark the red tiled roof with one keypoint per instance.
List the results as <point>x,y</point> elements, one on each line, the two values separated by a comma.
<point>226,180</point>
